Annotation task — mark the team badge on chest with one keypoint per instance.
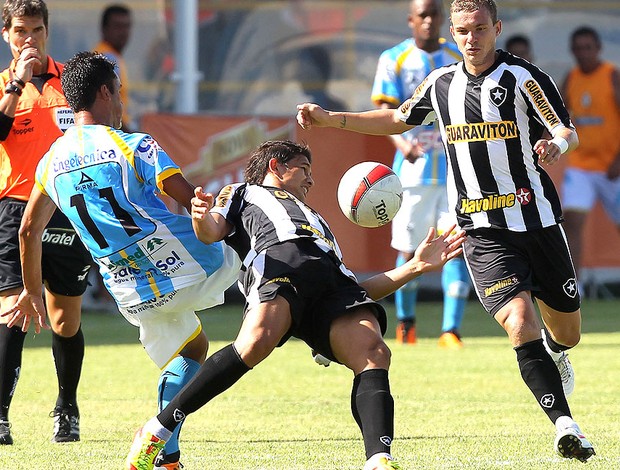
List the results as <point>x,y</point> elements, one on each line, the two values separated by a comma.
<point>498,95</point>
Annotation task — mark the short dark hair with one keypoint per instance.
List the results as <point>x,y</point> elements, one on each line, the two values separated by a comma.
<point>586,31</point>
<point>112,10</point>
<point>517,39</point>
<point>20,8</point>
<point>473,5</point>
<point>83,76</point>
<point>282,150</point>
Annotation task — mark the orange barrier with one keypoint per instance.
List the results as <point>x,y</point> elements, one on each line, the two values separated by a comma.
<point>212,150</point>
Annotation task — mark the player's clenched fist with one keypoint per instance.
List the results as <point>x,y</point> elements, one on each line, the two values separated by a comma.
<point>201,203</point>
<point>310,114</point>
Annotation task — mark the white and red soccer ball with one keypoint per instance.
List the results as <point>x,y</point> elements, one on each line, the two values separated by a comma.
<point>370,194</point>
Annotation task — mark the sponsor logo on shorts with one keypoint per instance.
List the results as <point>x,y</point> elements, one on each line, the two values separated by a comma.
<point>547,400</point>
<point>61,238</point>
<point>84,275</point>
<point>499,285</point>
<point>541,103</point>
<point>285,280</point>
<point>570,288</point>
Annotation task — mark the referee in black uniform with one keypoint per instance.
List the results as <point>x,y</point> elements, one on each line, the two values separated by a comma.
<point>500,118</point>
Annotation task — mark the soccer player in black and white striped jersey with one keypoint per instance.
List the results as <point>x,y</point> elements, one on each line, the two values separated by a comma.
<point>501,118</point>
<point>296,284</point>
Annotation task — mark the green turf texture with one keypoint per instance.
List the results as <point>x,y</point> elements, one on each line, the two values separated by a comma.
<point>466,409</point>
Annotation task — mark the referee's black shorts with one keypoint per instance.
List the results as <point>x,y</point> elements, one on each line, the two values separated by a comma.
<point>313,284</point>
<point>65,260</point>
<point>503,263</point>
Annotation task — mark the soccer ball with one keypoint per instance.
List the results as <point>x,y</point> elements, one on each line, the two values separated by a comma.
<point>370,194</point>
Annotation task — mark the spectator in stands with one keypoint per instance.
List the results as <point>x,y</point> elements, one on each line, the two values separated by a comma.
<point>116,23</point>
<point>520,46</point>
<point>591,91</point>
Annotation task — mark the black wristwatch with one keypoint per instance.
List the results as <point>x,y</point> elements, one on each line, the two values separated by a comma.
<point>11,87</point>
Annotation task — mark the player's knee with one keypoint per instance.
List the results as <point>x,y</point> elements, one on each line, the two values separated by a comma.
<point>380,354</point>
<point>65,329</point>
<point>197,348</point>
<point>254,351</point>
<point>567,336</point>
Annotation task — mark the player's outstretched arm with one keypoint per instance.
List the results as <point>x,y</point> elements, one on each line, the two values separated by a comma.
<point>430,255</point>
<point>208,227</point>
<point>373,122</point>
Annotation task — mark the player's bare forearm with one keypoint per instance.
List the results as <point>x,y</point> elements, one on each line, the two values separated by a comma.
<point>431,254</point>
<point>209,228</point>
<point>373,122</point>
<point>178,188</point>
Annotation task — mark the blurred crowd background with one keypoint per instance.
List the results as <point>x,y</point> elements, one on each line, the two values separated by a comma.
<point>255,60</point>
<point>263,57</point>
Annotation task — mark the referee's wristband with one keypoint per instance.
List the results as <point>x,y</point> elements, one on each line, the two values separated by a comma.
<point>19,81</point>
<point>561,142</point>
<point>12,87</point>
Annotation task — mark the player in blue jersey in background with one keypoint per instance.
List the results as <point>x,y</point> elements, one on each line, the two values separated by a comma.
<point>420,162</point>
<point>107,183</point>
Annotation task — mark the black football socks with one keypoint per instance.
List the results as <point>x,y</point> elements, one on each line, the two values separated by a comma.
<point>372,406</point>
<point>542,377</point>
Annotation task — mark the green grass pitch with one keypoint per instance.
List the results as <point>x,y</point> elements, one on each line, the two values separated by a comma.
<point>466,409</point>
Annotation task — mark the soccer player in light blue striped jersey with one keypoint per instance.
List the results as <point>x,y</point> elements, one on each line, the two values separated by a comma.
<point>107,182</point>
